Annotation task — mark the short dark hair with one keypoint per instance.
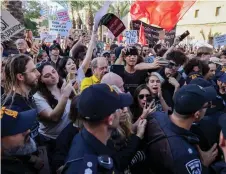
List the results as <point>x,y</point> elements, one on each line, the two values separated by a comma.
<point>177,56</point>
<point>157,47</point>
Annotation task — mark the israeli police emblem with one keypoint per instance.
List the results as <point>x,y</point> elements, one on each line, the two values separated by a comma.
<point>194,167</point>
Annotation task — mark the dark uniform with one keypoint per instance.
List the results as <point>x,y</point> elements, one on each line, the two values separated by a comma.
<point>171,149</point>
<point>88,155</point>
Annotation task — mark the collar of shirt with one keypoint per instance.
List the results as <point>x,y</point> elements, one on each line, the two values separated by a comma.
<point>179,131</point>
<point>95,144</point>
<point>95,79</point>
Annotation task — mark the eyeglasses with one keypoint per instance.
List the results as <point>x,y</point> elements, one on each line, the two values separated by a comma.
<point>172,64</point>
<point>141,96</point>
<point>41,63</point>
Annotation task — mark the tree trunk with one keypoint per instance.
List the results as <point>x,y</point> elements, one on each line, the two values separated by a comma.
<point>15,8</point>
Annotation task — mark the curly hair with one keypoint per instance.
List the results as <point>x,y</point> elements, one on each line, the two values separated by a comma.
<point>177,56</point>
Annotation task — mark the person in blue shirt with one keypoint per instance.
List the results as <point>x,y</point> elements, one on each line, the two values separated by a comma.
<point>171,146</point>
<point>99,106</point>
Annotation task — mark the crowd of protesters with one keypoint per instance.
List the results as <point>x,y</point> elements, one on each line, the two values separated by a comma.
<point>134,109</point>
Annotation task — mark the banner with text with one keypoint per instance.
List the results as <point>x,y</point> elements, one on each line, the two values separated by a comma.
<point>9,26</point>
<point>153,34</point>
<point>220,40</point>
<point>48,37</point>
<point>62,15</point>
<point>58,27</point>
<point>131,37</point>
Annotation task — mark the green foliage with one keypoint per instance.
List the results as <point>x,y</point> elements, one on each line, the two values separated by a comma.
<point>31,25</point>
<point>32,10</point>
<point>121,9</point>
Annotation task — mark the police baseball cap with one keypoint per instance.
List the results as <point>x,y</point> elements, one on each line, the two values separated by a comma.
<point>222,78</point>
<point>14,122</point>
<point>201,82</point>
<point>191,98</point>
<point>222,123</point>
<point>101,100</point>
<point>193,75</point>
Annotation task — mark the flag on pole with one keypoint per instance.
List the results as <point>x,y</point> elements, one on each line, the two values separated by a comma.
<point>164,14</point>
<point>142,38</point>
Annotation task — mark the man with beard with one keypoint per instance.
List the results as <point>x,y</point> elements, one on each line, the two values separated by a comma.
<point>16,142</point>
<point>21,77</point>
<point>99,67</point>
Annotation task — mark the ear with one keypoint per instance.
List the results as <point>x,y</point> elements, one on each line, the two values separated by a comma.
<point>110,119</point>
<point>197,116</point>
<point>20,77</point>
<point>222,141</point>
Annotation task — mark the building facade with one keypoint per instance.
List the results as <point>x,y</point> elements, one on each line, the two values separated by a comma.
<point>204,20</point>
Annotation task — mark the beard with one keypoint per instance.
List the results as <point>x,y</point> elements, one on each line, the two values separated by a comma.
<point>28,148</point>
<point>30,83</point>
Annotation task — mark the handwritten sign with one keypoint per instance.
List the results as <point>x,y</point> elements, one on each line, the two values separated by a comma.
<point>131,37</point>
<point>62,15</point>
<point>9,26</point>
<point>48,37</point>
<point>220,40</point>
<point>58,27</point>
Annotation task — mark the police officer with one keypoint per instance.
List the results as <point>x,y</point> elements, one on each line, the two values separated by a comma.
<point>99,106</point>
<point>170,144</point>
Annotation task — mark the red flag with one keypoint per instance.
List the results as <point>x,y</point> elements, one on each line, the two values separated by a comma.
<point>142,38</point>
<point>163,13</point>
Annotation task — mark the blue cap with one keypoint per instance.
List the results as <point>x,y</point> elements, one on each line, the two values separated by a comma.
<point>191,98</point>
<point>222,78</point>
<point>201,82</point>
<point>193,75</point>
<point>14,122</point>
<point>99,101</point>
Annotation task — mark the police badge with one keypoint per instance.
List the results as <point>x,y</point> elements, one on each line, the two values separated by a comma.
<point>194,167</point>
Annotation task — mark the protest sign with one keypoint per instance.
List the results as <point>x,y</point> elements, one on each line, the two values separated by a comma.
<point>48,37</point>
<point>57,27</point>
<point>131,37</point>
<point>113,23</point>
<point>9,26</point>
<point>220,40</point>
<point>62,15</point>
<point>153,34</point>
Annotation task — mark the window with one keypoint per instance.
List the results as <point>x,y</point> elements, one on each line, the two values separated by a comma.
<point>196,13</point>
<point>217,11</point>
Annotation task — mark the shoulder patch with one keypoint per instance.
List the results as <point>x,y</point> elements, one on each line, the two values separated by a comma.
<point>194,166</point>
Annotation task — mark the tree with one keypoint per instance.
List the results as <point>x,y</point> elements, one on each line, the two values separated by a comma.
<point>32,12</point>
<point>121,9</point>
<point>15,8</point>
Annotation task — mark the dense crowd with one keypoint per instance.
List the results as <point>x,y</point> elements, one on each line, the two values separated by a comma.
<point>127,109</point>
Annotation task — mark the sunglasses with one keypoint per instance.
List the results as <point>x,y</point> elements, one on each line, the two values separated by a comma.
<point>171,65</point>
<point>41,63</point>
<point>141,96</point>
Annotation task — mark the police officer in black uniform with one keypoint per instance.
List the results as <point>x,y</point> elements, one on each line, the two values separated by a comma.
<point>100,109</point>
<point>171,145</point>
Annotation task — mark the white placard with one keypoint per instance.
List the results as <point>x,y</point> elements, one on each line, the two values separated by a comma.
<point>220,40</point>
<point>59,27</point>
<point>62,15</point>
<point>48,37</point>
<point>9,25</point>
<point>131,37</point>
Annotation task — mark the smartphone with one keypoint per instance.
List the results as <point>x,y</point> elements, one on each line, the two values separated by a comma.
<point>118,69</point>
<point>185,34</point>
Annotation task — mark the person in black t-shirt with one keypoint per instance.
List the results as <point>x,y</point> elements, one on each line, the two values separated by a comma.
<point>21,77</point>
<point>173,79</point>
<point>132,77</point>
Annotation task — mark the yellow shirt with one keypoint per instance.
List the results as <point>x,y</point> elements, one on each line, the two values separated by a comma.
<point>88,81</point>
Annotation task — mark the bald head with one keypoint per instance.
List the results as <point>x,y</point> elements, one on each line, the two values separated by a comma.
<point>99,67</point>
<point>113,79</point>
